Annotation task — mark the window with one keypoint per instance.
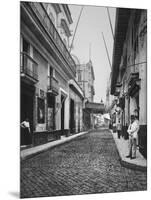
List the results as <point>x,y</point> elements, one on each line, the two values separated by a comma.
<point>51,72</point>
<point>26,46</point>
<point>26,62</point>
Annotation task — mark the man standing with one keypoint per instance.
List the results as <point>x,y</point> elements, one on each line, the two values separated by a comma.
<point>25,132</point>
<point>132,131</point>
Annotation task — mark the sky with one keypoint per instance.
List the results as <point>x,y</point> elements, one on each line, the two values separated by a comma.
<point>94,20</point>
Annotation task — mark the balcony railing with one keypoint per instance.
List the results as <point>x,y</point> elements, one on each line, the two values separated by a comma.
<point>53,86</point>
<point>29,66</point>
<point>45,20</point>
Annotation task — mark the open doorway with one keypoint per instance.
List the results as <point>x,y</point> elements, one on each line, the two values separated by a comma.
<point>62,111</point>
<point>27,100</point>
<point>72,120</point>
<point>51,112</point>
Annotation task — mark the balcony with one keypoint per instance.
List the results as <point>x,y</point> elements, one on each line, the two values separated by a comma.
<point>53,87</point>
<point>29,68</point>
<point>41,13</point>
<point>134,84</point>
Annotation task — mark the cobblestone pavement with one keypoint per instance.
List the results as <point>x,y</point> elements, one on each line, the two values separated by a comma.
<point>88,164</point>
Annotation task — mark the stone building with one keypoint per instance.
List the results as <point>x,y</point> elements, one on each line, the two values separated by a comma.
<point>46,68</point>
<point>85,77</point>
<point>129,68</point>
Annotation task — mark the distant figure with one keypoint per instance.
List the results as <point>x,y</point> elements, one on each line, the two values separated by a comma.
<point>25,132</point>
<point>119,129</point>
<point>133,137</point>
<point>114,127</point>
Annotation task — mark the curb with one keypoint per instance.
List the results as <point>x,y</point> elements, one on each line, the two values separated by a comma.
<point>50,145</point>
<point>127,164</point>
<point>133,166</point>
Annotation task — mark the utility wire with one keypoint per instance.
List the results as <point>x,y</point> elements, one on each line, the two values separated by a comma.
<point>107,51</point>
<point>76,28</point>
<point>110,22</point>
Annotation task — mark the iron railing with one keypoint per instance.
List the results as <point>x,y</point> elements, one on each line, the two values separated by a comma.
<point>53,85</point>
<point>29,66</point>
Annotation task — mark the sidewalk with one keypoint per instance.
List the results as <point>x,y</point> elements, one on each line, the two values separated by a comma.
<point>140,163</point>
<point>27,153</point>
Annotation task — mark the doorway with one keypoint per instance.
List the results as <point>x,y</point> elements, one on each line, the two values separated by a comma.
<point>62,111</point>
<point>26,109</point>
<point>72,120</point>
<point>51,112</point>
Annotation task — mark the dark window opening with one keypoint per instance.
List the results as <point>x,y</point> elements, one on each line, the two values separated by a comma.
<point>26,46</point>
<point>62,111</point>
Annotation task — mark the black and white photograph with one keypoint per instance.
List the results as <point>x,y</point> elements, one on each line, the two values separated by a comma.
<point>75,101</point>
<point>83,99</point>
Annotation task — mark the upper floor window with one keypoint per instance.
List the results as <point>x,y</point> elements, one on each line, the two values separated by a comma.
<point>26,46</point>
<point>50,71</point>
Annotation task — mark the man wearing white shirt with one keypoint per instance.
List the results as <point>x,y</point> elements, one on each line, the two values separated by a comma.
<point>132,131</point>
<point>26,138</point>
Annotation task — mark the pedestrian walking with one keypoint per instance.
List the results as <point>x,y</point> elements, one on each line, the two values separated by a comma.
<point>133,137</point>
<point>25,132</point>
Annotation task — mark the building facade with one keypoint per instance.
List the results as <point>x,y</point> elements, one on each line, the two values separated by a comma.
<point>85,77</point>
<point>129,68</point>
<point>109,98</point>
<point>46,67</point>
<point>76,107</point>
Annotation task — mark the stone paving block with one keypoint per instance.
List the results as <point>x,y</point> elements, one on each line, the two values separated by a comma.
<point>86,165</point>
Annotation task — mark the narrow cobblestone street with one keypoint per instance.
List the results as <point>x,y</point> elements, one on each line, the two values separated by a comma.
<point>88,164</point>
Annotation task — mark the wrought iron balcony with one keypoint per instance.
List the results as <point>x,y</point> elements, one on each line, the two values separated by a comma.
<point>41,13</point>
<point>29,68</point>
<point>53,87</point>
